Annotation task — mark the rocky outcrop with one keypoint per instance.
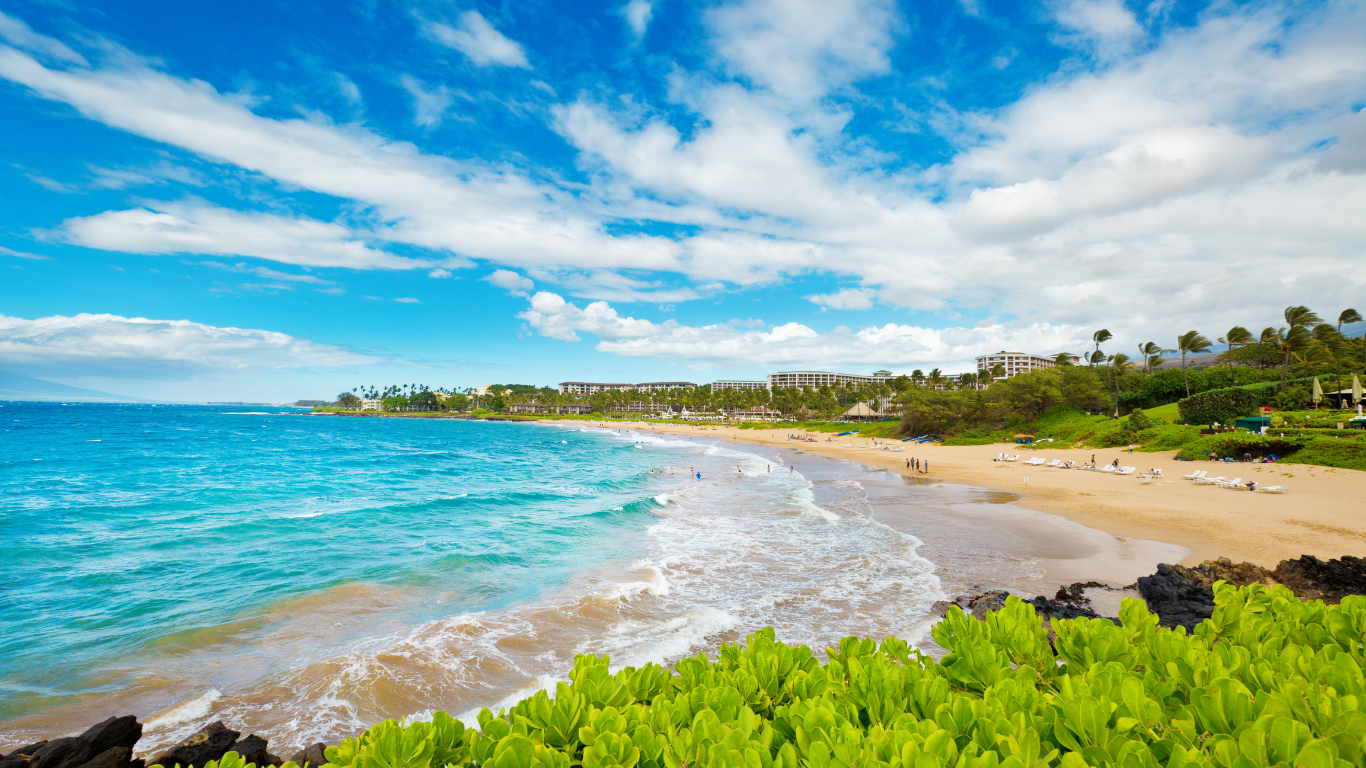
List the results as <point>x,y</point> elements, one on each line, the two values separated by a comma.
<point>1328,580</point>
<point>310,756</point>
<point>106,745</point>
<point>110,745</point>
<point>1183,596</point>
<point>211,743</point>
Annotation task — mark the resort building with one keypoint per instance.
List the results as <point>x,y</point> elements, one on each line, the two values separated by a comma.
<point>814,379</point>
<point>581,388</point>
<point>372,405</point>
<point>717,386</point>
<point>664,386</point>
<point>571,409</point>
<point>1014,363</point>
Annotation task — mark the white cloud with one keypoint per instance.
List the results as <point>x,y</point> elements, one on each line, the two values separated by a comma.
<point>267,272</point>
<point>637,14</point>
<point>802,48</point>
<point>20,35</point>
<point>194,227</point>
<point>510,281</point>
<point>735,344</point>
<point>96,344</point>
<point>1107,22</point>
<point>347,88</point>
<point>22,254</point>
<point>552,316</point>
<point>477,39</point>
<point>407,300</point>
<point>845,298</point>
<point>429,106</point>
<point>439,274</point>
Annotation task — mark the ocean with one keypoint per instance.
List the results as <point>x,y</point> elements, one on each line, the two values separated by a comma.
<point>303,577</point>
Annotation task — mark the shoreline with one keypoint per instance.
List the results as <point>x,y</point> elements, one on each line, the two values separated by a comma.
<point>1319,515</point>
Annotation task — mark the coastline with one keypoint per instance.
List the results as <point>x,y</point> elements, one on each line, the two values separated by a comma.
<point>1320,514</point>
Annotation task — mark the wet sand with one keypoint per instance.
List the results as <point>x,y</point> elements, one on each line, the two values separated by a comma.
<point>1319,515</point>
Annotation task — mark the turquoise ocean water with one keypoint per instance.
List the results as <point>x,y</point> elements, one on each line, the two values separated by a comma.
<point>303,576</point>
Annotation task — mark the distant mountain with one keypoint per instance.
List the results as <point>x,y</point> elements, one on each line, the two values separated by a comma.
<point>17,386</point>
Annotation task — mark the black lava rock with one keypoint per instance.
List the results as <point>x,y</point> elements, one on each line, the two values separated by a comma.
<point>252,749</point>
<point>211,743</point>
<point>114,732</point>
<point>67,752</point>
<point>311,756</point>
<point>1328,580</point>
<point>114,757</point>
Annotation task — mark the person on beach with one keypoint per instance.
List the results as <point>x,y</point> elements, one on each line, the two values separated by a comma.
<point>699,475</point>
<point>927,468</point>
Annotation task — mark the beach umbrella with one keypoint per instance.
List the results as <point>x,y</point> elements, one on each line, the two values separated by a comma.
<point>1356,389</point>
<point>1318,392</point>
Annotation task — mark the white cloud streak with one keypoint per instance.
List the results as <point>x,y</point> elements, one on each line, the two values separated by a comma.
<point>201,228</point>
<point>475,37</point>
<point>732,344</point>
<point>97,344</point>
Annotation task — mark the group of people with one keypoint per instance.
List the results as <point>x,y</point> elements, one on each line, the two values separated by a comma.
<point>922,467</point>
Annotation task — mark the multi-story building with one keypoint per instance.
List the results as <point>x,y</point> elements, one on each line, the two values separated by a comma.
<point>581,388</point>
<point>372,405</point>
<point>717,386</point>
<point>574,409</point>
<point>1014,363</point>
<point>814,379</point>
<point>664,386</point>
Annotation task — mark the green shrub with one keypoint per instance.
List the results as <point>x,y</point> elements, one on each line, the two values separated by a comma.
<point>1266,681</point>
<point>1219,405</point>
<point>1167,437</point>
<point>1332,452</point>
<point>1235,444</point>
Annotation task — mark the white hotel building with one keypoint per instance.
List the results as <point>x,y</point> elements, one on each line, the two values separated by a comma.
<point>816,379</point>
<point>1016,363</point>
<point>717,386</point>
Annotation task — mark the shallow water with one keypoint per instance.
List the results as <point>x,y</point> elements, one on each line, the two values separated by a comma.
<point>303,577</point>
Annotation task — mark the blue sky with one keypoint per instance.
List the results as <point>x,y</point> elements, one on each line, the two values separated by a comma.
<point>272,201</point>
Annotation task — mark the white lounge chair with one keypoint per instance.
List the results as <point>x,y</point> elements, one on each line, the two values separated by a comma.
<point>1126,470</point>
<point>1013,457</point>
<point>1107,468</point>
<point>1273,489</point>
<point>1197,473</point>
<point>1229,483</point>
<point>1055,463</point>
<point>1207,480</point>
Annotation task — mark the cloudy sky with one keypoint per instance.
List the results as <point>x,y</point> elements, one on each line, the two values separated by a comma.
<point>260,200</point>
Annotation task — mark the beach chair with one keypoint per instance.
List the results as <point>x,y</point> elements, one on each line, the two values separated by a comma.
<point>1107,468</point>
<point>1126,470</point>
<point>1234,483</point>
<point>1207,480</point>
<point>1054,463</point>
<point>1195,474</point>
<point>1273,489</point>
<point>1012,457</point>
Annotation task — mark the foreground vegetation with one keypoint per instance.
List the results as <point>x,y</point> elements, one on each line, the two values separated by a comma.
<point>1266,681</point>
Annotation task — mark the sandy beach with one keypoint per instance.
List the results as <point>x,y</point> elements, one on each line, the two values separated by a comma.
<point>1323,512</point>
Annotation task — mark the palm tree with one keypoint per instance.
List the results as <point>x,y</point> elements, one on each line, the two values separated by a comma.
<point>1150,352</point>
<point>1289,342</point>
<point>1190,343</point>
<point>1062,358</point>
<point>1347,316</point>
<point>1097,357</point>
<point>1099,337</point>
<point>1236,337</point>
<point>1120,365</point>
<point>935,378</point>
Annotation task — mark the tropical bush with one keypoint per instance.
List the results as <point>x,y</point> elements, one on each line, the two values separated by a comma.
<point>1266,681</point>
<point>1332,452</point>
<point>1219,405</point>
<point>1236,444</point>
